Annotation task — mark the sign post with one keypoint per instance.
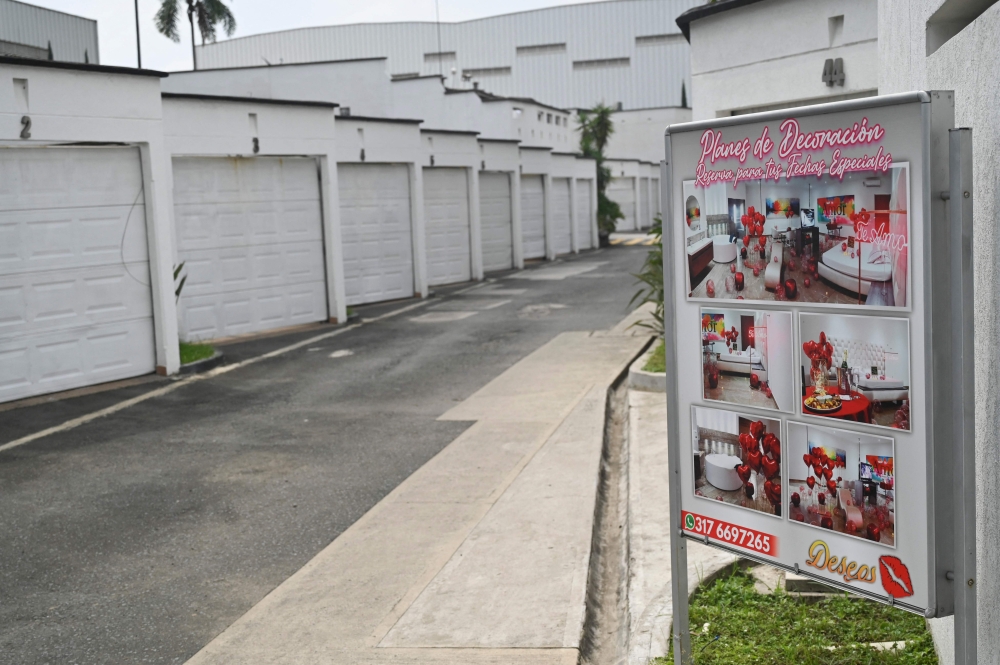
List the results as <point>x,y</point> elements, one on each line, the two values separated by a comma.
<point>818,289</point>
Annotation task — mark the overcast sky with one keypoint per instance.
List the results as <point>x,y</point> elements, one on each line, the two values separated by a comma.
<point>116,21</point>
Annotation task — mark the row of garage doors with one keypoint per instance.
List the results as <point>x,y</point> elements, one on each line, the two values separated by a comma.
<point>75,298</point>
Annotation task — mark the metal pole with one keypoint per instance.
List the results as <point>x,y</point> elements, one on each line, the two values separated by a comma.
<point>678,547</point>
<point>138,44</point>
<point>963,395</point>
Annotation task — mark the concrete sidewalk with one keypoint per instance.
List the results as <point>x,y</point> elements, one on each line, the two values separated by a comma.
<point>482,555</point>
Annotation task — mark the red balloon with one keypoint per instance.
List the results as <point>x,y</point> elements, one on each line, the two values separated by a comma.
<point>754,459</point>
<point>811,482</point>
<point>743,471</point>
<point>756,272</point>
<point>771,468</point>
<point>796,499</point>
<point>799,517</point>
<point>757,429</point>
<point>762,241</point>
<point>873,532</point>
<point>821,498</point>
<point>827,473</point>
<point>746,241</point>
<point>807,458</point>
<point>832,486</point>
<point>822,338</point>
<point>807,282</point>
<point>732,267</point>
<point>843,246</point>
<point>826,521</point>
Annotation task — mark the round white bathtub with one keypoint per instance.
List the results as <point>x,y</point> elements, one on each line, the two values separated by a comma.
<point>723,249</point>
<point>720,471</point>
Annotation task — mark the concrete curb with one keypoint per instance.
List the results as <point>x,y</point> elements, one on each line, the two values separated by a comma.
<point>640,379</point>
<point>199,366</point>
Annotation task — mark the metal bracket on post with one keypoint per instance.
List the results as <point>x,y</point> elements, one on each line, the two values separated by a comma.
<point>678,547</point>
<point>963,412</point>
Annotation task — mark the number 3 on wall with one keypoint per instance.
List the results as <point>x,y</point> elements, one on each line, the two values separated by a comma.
<point>25,127</point>
<point>833,72</point>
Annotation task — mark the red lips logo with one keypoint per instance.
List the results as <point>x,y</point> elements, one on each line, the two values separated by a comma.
<point>895,577</point>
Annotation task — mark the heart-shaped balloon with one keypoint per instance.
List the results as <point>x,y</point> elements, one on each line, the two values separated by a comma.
<point>743,471</point>
<point>748,490</point>
<point>822,338</point>
<point>757,429</point>
<point>828,473</point>
<point>754,459</point>
<point>756,272</point>
<point>807,458</point>
<point>773,492</point>
<point>811,482</point>
<point>832,486</point>
<point>818,470</point>
<point>826,522</point>
<point>873,532</point>
<point>796,499</point>
<point>762,241</point>
<point>821,498</point>
<point>771,468</point>
<point>851,527</point>
<point>746,241</point>
<point>747,442</point>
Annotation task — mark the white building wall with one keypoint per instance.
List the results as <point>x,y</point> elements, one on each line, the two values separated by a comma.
<point>639,134</point>
<point>582,62</point>
<point>771,54</point>
<point>969,64</point>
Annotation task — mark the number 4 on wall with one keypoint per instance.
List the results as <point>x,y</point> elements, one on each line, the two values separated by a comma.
<point>833,72</point>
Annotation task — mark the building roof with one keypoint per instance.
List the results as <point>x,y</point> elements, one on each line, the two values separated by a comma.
<point>79,66</point>
<point>368,118</point>
<point>490,97</point>
<point>702,11</point>
<point>252,100</point>
<point>460,132</point>
<point>280,64</point>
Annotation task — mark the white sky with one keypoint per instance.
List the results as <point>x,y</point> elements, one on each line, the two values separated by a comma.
<point>116,21</point>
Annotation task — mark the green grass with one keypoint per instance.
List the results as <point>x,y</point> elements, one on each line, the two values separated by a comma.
<point>656,361</point>
<point>748,628</point>
<point>194,352</point>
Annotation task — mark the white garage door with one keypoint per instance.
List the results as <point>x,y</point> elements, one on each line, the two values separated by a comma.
<point>584,214</point>
<point>375,230</point>
<point>446,212</point>
<point>75,299</point>
<point>495,216</point>
<point>646,214</point>
<point>533,216</point>
<point>250,234</point>
<point>562,240</point>
<point>622,192</point>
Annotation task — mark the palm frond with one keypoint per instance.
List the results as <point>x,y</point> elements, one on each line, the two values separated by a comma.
<point>166,19</point>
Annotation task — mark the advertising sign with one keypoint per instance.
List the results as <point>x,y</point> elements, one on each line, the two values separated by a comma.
<point>799,310</point>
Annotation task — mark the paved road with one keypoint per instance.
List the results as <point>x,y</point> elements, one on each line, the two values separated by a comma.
<point>138,537</point>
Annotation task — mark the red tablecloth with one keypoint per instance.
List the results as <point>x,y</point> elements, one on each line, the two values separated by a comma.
<point>854,409</point>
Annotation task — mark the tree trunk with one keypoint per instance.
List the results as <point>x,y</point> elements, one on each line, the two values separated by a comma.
<point>194,55</point>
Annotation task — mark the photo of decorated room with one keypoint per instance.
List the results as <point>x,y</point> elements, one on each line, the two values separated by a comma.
<point>842,481</point>
<point>747,357</point>
<point>826,240</point>
<point>737,459</point>
<point>856,368</point>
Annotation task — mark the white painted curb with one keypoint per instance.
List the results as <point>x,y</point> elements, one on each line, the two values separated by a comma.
<point>639,379</point>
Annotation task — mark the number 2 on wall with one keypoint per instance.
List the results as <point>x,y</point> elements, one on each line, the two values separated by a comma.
<point>25,127</point>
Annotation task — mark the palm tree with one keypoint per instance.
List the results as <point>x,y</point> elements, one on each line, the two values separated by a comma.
<point>209,14</point>
<point>596,128</point>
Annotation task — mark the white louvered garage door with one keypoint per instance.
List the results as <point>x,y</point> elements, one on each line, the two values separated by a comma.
<point>496,220</point>
<point>75,300</point>
<point>446,213</point>
<point>646,210</point>
<point>533,216</point>
<point>250,234</point>
<point>376,231</point>
<point>562,239</point>
<point>584,214</point>
<point>622,192</point>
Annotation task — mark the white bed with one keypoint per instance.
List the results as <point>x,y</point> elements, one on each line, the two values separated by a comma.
<point>742,362</point>
<point>883,390</point>
<point>838,267</point>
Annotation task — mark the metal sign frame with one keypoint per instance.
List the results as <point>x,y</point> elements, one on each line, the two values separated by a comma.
<point>946,188</point>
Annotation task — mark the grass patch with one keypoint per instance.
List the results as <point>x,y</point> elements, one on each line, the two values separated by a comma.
<point>656,362</point>
<point>194,352</point>
<point>748,628</point>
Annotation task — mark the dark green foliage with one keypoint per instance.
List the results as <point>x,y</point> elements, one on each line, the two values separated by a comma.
<point>749,628</point>
<point>596,128</point>
<point>651,279</point>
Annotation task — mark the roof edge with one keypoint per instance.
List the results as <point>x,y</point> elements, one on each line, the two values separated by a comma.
<point>80,67</point>
<point>702,11</point>
<point>248,100</point>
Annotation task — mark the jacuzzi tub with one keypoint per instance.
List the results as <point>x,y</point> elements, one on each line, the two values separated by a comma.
<point>720,471</point>
<point>723,250</point>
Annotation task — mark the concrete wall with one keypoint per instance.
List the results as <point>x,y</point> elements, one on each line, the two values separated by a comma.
<point>639,134</point>
<point>770,55</point>
<point>969,64</point>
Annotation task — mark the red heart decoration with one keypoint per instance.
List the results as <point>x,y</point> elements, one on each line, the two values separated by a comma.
<point>771,468</point>
<point>828,473</point>
<point>822,337</point>
<point>747,442</point>
<point>762,241</point>
<point>743,471</point>
<point>873,532</point>
<point>796,499</point>
<point>773,492</point>
<point>821,498</point>
<point>851,527</point>
<point>746,241</point>
<point>832,486</point>
<point>818,470</point>
<point>811,482</point>
<point>807,458</point>
<point>754,459</point>
<point>757,429</point>
<point>826,522</point>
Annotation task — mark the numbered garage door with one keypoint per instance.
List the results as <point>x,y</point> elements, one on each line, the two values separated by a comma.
<point>622,192</point>
<point>496,219</point>
<point>376,232</point>
<point>250,234</point>
<point>561,230</point>
<point>446,214</point>
<point>533,216</point>
<point>646,214</point>
<point>75,299</point>
<point>584,214</point>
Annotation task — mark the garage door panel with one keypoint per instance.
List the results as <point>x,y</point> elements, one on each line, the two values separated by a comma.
<point>38,240</point>
<point>533,216</point>
<point>43,178</point>
<point>561,230</point>
<point>584,214</point>
<point>253,310</point>
<point>375,232</point>
<point>496,221</point>
<point>446,204</point>
<point>34,364</point>
<point>209,271</point>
